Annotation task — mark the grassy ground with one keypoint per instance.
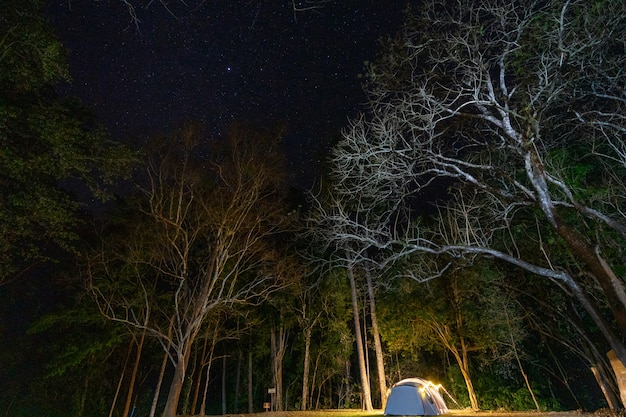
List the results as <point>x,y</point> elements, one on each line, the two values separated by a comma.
<point>453,413</point>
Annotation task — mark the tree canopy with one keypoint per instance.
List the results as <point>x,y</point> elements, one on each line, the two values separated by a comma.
<point>470,229</point>
<point>51,148</point>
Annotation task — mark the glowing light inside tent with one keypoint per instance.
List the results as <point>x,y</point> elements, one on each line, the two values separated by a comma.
<point>428,384</point>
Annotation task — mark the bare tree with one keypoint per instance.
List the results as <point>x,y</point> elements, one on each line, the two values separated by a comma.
<point>207,239</point>
<point>514,111</point>
<point>339,226</point>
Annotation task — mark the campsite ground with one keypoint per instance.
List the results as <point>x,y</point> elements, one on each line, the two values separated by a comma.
<point>453,413</point>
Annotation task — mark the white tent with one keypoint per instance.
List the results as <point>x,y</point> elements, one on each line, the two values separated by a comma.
<point>415,397</point>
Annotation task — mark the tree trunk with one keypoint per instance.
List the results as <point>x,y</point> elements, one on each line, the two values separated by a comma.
<point>305,372</point>
<point>224,385</point>
<point>196,393</point>
<point>463,362</point>
<point>83,397</point>
<point>461,358</point>
<point>119,383</point>
<point>380,362</point>
<point>313,384</point>
<point>157,390</point>
<point>278,341</point>
<point>238,381</point>
<point>133,376</point>
<point>117,393</point>
<point>171,406</point>
<point>620,374</point>
<point>365,384</point>
<point>614,342</point>
<point>608,395</point>
<point>518,360</point>
<point>196,390</point>
<point>250,393</point>
<point>206,378</point>
<point>612,287</point>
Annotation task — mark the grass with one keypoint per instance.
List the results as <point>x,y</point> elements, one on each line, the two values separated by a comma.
<point>318,413</point>
<point>453,413</point>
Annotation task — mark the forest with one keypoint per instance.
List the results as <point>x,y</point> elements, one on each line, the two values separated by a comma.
<point>469,228</point>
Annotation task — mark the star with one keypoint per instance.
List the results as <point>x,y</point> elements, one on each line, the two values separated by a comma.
<point>221,62</point>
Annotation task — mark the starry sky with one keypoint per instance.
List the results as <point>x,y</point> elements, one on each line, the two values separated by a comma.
<point>217,61</point>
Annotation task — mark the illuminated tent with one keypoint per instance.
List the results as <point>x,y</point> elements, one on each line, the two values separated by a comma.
<point>415,397</point>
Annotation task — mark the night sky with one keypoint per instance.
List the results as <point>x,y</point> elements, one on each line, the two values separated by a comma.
<point>219,61</point>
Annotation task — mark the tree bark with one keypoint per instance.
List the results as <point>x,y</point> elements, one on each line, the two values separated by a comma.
<point>612,287</point>
<point>380,362</point>
<point>206,379</point>
<point>365,384</point>
<point>198,384</point>
<point>238,381</point>
<point>278,339</point>
<point>608,395</point>
<point>250,393</point>
<point>305,371</point>
<point>133,376</point>
<point>171,405</point>
<point>463,362</point>
<point>224,385</point>
<point>83,397</point>
<point>157,390</point>
<point>518,359</point>
<point>119,384</point>
<point>461,357</point>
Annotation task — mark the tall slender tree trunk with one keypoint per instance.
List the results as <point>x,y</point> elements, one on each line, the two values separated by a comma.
<point>208,365</point>
<point>194,378</point>
<point>518,360</point>
<point>224,385</point>
<point>305,371</point>
<point>313,384</point>
<point>197,384</point>
<point>250,386</point>
<point>133,376</point>
<point>205,363</point>
<point>119,383</point>
<point>380,362</point>
<point>278,341</point>
<point>463,361</point>
<point>606,391</point>
<point>157,390</point>
<point>83,397</point>
<point>171,405</point>
<point>238,381</point>
<point>365,384</point>
<point>117,393</point>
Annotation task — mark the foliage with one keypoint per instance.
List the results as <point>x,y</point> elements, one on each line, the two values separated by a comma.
<point>210,232</point>
<point>51,149</point>
<point>426,138</point>
<point>516,109</point>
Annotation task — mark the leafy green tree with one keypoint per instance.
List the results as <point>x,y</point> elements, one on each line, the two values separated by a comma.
<point>464,313</point>
<point>332,341</point>
<point>51,149</point>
